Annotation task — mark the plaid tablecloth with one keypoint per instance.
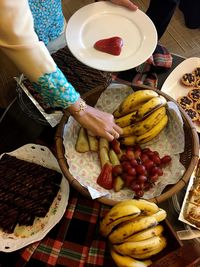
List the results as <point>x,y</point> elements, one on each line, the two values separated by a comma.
<point>74,242</point>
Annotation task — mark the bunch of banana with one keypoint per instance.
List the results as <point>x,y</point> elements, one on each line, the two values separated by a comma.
<point>133,229</point>
<point>133,101</point>
<point>145,125</point>
<point>142,116</point>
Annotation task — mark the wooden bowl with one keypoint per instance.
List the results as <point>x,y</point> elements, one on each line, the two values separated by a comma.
<point>188,158</point>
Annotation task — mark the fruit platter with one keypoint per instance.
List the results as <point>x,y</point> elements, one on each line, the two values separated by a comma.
<point>153,158</point>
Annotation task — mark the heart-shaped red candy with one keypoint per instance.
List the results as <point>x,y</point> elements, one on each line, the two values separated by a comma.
<point>111,45</point>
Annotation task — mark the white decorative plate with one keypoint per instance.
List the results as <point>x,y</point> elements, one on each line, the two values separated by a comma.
<point>43,156</point>
<point>102,20</point>
<point>172,85</point>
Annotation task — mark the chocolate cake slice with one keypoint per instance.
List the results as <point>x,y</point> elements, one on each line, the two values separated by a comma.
<point>27,190</point>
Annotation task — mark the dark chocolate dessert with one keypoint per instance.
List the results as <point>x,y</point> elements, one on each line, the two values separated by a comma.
<point>27,190</point>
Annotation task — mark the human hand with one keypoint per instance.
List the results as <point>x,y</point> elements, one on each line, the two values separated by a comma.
<point>125,3</point>
<point>97,122</point>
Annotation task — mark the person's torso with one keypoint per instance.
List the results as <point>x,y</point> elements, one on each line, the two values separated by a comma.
<point>48,18</point>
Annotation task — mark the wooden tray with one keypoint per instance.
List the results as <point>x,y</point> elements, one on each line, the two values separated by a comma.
<point>188,158</point>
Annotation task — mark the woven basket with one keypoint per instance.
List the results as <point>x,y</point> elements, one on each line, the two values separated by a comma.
<point>188,158</point>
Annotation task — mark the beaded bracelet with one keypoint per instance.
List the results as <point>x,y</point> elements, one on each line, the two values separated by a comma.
<point>82,106</point>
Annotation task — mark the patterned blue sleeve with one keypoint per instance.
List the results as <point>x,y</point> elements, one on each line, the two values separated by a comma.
<point>56,90</point>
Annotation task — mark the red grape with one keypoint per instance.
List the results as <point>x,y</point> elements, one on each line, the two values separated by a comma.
<point>144,157</point>
<point>133,162</point>
<point>156,153</point>
<point>126,165</point>
<point>128,179</point>
<point>131,171</point>
<point>160,171</point>
<point>148,164</point>
<point>123,158</point>
<point>134,186</point>
<point>141,178</point>
<point>147,186</point>
<point>139,193</point>
<point>140,169</point>
<point>154,177</point>
<point>155,159</point>
<point>166,159</point>
<point>150,153</point>
<point>129,148</point>
<point>137,147</point>
<point>130,154</point>
<point>154,170</point>
<point>146,150</point>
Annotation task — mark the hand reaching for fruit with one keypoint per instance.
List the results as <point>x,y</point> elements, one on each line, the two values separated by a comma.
<point>99,123</point>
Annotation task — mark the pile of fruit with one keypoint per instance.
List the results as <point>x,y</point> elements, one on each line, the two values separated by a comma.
<point>142,116</point>
<point>139,169</point>
<point>134,231</point>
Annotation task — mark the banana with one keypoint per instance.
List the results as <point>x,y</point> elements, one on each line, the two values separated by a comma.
<point>126,261</point>
<point>153,132</point>
<point>133,101</point>
<point>160,215</point>
<point>138,247</point>
<point>149,106</point>
<point>148,254</point>
<point>130,227</point>
<point>145,234</point>
<point>117,215</point>
<point>105,230</point>
<point>126,120</point>
<point>145,125</point>
<point>146,207</point>
<point>128,140</point>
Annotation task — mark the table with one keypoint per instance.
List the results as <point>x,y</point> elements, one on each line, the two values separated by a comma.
<point>78,242</point>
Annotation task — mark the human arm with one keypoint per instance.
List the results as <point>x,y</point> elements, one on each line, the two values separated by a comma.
<point>19,42</point>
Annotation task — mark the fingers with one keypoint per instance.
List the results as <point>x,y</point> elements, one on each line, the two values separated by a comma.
<point>108,136</point>
<point>115,134</point>
<point>118,129</point>
<point>125,3</point>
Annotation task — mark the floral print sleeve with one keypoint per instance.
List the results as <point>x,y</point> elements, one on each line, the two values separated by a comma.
<point>56,90</point>
<point>20,43</point>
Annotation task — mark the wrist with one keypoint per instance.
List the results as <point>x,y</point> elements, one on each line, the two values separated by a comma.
<point>78,107</point>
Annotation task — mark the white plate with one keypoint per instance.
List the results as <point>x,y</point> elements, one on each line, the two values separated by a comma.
<point>103,20</point>
<point>43,156</point>
<point>172,85</point>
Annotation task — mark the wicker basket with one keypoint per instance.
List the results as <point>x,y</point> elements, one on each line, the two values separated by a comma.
<point>188,158</point>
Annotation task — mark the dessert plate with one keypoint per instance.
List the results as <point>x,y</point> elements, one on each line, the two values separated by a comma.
<point>30,234</point>
<point>172,85</point>
<point>102,20</point>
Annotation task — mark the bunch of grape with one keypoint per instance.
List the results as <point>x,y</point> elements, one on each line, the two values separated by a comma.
<point>140,168</point>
